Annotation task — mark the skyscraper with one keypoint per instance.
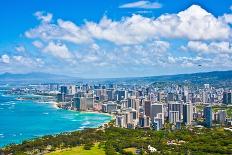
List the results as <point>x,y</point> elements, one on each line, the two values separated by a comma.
<point>63,89</point>
<point>173,117</point>
<point>187,114</point>
<point>147,108</point>
<point>175,106</point>
<point>79,103</point>
<point>156,109</point>
<point>208,116</point>
<point>227,98</point>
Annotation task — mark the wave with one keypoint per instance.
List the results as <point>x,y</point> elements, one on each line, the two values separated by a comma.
<point>86,123</point>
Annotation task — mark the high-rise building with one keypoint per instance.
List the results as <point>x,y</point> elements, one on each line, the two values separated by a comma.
<point>72,89</point>
<point>111,106</point>
<point>156,109</point>
<point>221,116</point>
<point>171,97</point>
<point>147,108</point>
<point>120,121</point>
<point>208,116</point>
<point>64,90</point>
<point>89,102</point>
<point>227,98</point>
<point>79,103</point>
<point>159,96</point>
<point>110,94</point>
<point>173,117</point>
<point>175,106</point>
<point>141,121</point>
<point>158,121</point>
<point>187,114</point>
<point>120,95</point>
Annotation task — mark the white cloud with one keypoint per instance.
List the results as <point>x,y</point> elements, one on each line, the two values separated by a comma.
<point>130,30</point>
<point>5,59</point>
<point>63,30</point>
<point>142,5</point>
<point>193,23</point>
<point>198,46</point>
<point>58,50</point>
<point>212,47</point>
<point>227,18</point>
<point>44,17</point>
<point>20,48</point>
<point>95,46</point>
<point>38,44</point>
<point>137,42</point>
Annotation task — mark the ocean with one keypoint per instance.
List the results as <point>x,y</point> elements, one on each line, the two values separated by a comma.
<point>23,120</point>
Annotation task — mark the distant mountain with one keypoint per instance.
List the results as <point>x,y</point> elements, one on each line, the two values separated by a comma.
<point>215,77</point>
<point>34,77</point>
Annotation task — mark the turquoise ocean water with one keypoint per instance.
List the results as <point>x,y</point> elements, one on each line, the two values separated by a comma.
<point>22,120</point>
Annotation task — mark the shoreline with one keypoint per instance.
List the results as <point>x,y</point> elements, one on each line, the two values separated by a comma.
<point>54,104</point>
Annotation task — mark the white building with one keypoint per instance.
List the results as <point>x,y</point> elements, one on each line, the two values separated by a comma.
<point>173,117</point>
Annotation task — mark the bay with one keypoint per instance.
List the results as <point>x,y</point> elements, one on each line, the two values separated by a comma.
<point>23,120</point>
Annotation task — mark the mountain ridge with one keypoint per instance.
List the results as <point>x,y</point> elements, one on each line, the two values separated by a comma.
<point>46,77</point>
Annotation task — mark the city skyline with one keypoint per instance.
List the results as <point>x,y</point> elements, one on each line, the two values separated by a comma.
<point>115,39</point>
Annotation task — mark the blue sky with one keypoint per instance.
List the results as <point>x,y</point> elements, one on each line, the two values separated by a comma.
<point>115,38</point>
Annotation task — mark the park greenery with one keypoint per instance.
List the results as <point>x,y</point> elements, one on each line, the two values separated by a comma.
<point>110,140</point>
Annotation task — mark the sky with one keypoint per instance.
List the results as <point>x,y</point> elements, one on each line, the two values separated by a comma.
<point>115,38</point>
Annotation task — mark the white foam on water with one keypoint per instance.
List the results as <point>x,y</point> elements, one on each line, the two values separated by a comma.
<point>45,113</point>
<point>82,127</point>
<point>86,123</point>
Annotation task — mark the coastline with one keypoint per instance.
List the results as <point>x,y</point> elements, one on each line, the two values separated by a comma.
<point>55,106</point>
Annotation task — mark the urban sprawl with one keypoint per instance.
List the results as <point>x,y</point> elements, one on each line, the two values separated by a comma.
<point>148,106</point>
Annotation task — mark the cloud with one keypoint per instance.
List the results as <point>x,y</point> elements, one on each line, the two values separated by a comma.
<point>44,17</point>
<point>5,59</point>
<point>142,5</point>
<point>27,61</point>
<point>63,30</point>
<point>138,42</point>
<point>38,44</point>
<point>20,48</point>
<point>212,47</point>
<point>130,30</point>
<point>227,18</point>
<point>193,23</point>
<point>58,50</point>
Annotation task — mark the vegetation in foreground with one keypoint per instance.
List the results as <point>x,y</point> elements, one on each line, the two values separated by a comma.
<point>80,150</point>
<point>112,140</point>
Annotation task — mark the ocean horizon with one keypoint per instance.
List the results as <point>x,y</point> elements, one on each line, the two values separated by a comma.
<point>26,119</point>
